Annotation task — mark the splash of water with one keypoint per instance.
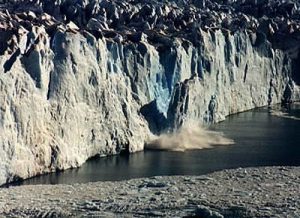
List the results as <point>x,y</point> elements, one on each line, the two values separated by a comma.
<point>188,137</point>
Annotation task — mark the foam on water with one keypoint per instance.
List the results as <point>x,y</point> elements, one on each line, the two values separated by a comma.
<point>283,115</point>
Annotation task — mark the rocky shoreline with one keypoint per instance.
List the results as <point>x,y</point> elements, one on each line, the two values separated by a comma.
<point>80,78</point>
<point>244,192</point>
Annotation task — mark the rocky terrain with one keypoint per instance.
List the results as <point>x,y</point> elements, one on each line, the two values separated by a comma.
<point>250,192</point>
<point>80,78</point>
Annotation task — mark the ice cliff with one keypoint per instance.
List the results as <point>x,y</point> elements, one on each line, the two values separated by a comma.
<point>85,78</point>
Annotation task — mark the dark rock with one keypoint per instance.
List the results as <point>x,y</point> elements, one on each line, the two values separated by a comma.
<point>206,212</point>
<point>155,185</point>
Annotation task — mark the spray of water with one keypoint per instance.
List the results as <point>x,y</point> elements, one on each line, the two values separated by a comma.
<point>188,137</point>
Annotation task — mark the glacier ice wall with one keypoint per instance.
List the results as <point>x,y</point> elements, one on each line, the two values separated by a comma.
<point>68,97</point>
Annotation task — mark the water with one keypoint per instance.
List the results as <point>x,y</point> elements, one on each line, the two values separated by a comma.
<point>261,139</point>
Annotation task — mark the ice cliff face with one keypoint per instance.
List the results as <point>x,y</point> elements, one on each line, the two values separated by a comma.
<point>67,94</point>
<point>64,103</point>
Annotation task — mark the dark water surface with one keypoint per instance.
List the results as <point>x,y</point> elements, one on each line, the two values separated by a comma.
<point>260,140</point>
